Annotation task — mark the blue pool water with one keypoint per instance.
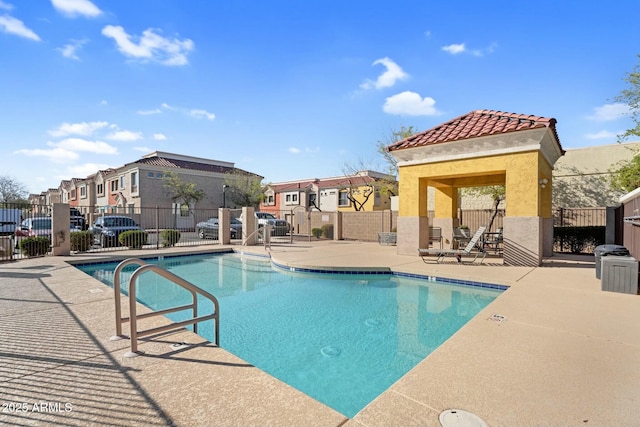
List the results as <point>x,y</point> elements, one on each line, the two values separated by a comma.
<point>340,338</point>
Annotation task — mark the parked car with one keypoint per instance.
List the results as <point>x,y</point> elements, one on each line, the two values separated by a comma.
<point>33,227</point>
<point>77,219</point>
<point>10,219</point>
<point>280,227</point>
<point>106,229</point>
<point>210,228</point>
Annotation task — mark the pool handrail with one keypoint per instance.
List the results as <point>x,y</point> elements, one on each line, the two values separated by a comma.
<point>133,316</point>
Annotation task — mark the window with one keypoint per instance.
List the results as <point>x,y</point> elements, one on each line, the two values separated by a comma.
<point>122,182</point>
<point>114,185</point>
<point>376,198</point>
<point>312,199</point>
<point>83,192</point>
<point>73,194</point>
<point>291,199</point>
<point>150,174</point>
<point>134,182</point>
<point>184,210</point>
<point>159,175</point>
<point>343,199</point>
<point>100,189</point>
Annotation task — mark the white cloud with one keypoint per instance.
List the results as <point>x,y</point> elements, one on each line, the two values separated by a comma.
<point>79,144</point>
<point>410,103</point>
<point>125,135</point>
<point>202,114</point>
<point>143,149</point>
<point>610,112</point>
<point>11,25</point>
<point>159,136</point>
<point>69,50</point>
<point>388,78</point>
<point>74,8</point>
<point>294,150</point>
<point>149,112</point>
<point>5,6</point>
<point>454,49</point>
<point>603,134</point>
<point>150,46</point>
<point>58,155</point>
<point>167,106</point>
<point>82,129</point>
<point>104,102</point>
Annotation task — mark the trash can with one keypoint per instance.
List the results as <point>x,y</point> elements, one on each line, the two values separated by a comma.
<point>620,274</point>
<point>604,250</point>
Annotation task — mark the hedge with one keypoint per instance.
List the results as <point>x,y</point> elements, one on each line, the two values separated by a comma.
<point>134,239</point>
<point>34,246</point>
<point>578,240</point>
<point>81,241</point>
<point>169,237</point>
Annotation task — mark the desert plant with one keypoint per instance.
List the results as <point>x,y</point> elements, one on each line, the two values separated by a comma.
<point>80,240</point>
<point>327,231</point>
<point>169,237</point>
<point>134,239</point>
<point>34,246</point>
<point>316,232</point>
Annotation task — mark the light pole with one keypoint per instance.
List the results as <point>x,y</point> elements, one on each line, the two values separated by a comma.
<point>224,195</point>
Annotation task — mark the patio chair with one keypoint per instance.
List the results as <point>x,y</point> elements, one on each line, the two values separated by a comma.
<point>460,238</point>
<point>493,241</point>
<point>474,247</point>
<point>435,235</point>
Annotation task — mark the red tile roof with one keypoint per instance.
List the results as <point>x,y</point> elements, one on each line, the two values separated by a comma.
<point>475,124</point>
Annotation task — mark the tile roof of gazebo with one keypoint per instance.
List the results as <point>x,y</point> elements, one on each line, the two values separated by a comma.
<point>476,124</point>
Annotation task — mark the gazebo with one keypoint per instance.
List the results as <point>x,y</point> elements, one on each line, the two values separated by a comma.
<point>483,147</point>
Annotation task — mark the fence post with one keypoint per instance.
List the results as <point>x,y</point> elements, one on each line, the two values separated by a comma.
<point>157,227</point>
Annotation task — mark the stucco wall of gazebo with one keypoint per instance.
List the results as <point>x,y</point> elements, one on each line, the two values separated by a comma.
<point>522,161</point>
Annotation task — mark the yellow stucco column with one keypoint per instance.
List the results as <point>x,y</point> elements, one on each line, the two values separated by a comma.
<point>528,224</point>
<point>413,220</point>
<point>446,212</point>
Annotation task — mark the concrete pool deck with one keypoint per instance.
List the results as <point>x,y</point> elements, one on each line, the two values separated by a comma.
<point>566,353</point>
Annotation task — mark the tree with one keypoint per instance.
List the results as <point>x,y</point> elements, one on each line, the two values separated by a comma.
<point>496,192</point>
<point>358,184</point>
<point>631,97</point>
<point>390,186</point>
<point>244,188</point>
<point>626,176</point>
<point>186,193</point>
<point>12,191</point>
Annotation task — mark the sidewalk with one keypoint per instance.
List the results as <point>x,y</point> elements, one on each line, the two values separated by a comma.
<point>565,355</point>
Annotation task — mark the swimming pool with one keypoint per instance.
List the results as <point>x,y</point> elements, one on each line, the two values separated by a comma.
<point>340,338</point>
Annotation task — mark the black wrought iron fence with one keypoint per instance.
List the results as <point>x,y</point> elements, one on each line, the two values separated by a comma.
<point>579,217</point>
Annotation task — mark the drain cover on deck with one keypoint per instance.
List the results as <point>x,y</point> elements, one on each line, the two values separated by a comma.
<point>460,418</point>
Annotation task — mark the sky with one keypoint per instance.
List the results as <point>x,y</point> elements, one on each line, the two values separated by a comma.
<point>292,89</point>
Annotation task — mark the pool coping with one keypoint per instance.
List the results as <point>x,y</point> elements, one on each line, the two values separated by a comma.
<point>561,356</point>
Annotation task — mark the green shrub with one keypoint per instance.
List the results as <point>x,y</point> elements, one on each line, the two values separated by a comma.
<point>134,239</point>
<point>578,240</point>
<point>327,231</point>
<point>34,246</point>
<point>316,232</point>
<point>80,240</point>
<point>169,237</point>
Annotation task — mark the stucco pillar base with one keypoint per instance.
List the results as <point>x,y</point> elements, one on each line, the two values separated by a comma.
<point>249,236</point>
<point>523,240</point>
<point>547,237</point>
<point>224,226</point>
<point>413,233</point>
<point>60,233</point>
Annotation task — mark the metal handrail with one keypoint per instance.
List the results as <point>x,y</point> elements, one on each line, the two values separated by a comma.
<point>133,317</point>
<point>266,237</point>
